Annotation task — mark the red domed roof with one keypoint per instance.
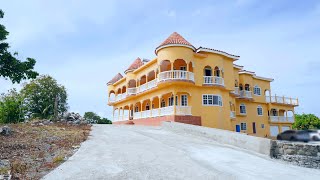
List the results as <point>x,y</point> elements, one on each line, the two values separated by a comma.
<point>115,79</point>
<point>135,65</point>
<point>175,39</point>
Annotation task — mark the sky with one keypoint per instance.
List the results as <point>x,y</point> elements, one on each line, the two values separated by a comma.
<point>84,43</point>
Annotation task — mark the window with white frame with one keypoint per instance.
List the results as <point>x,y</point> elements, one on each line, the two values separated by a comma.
<point>243,126</point>
<point>257,91</point>
<point>211,100</point>
<point>163,103</point>
<point>171,101</point>
<point>243,109</point>
<point>259,111</point>
<point>184,100</point>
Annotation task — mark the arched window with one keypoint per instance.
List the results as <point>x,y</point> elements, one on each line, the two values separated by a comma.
<point>259,110</point>
<point>257,90</point>
<point>136,109</point>
<point>163,103</point>
<point>247,87</point>
<point>217,71</point>
<point>243,109</point>
<point>207,71</point>
<point>240,87</point>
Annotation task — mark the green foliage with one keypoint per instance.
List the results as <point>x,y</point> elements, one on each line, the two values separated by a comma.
<point>40,96</point>
<point>306,121</point>
<point>94,118</point>
<point>11,67</point>
<point>104,121</point>
<point>11,107</point>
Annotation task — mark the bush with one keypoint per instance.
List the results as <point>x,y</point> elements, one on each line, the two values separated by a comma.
<point>104,121</point>
<point>11,107</point>
<point>306,121</point>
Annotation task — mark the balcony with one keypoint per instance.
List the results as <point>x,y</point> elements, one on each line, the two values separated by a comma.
<point>282,119</point>
<point>147,86</point>
<point>213,80</point>
<point>164,111</point>
<point>232,114</point>
<point>245,94</point>
<point>176,75</point>
<point>236,91</point>
<point>282,100</point>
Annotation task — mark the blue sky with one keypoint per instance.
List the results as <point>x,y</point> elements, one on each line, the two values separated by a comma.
<point>83,44</point>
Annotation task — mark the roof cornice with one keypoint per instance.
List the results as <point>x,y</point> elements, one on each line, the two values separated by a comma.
<point>202,49</point>
<point>174,45</point>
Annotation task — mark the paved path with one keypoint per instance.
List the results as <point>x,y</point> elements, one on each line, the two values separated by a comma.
<point>138,152</point>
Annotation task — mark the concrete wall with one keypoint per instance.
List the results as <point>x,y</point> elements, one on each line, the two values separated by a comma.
<point>255,144</point>
<point>302,154</point>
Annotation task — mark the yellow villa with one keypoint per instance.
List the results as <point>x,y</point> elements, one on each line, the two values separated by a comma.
<point>199,86</point>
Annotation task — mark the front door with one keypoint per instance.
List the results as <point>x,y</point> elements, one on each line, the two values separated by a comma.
<point>254,127</point>
<point>237,128</point>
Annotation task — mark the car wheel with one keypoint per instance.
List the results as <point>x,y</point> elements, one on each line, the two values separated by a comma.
<point>315,138</point>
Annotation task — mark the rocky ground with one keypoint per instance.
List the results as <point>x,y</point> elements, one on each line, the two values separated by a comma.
<point>32,149</point>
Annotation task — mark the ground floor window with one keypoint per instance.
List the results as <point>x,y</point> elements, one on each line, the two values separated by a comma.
<point>184,100</point>
<point>136,109</point>
<point>262,126</point>
<point>163,103</point>
<point>211,100</point>
<point>243,126</point>
<point>259,111</point>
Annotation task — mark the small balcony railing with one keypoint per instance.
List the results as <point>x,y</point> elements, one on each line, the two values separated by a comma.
<point>132,91</point>
<point>282,100</point>
<point>232,114</point>
<point>235,91</point>
<point>213,80</point>
<point>245,94</point>
<point>183,110</point>
<point>176,75</point>
<point>281,119</point>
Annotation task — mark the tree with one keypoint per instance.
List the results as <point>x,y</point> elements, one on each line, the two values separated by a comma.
<point>11,67</point>
<point>104,121</point>
<point>42,95</point>
<point>306,121</point>
<point>11,107</point>
<point>91,116</point>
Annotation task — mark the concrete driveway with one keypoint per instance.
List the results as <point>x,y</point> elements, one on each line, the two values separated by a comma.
<point>139,152</point>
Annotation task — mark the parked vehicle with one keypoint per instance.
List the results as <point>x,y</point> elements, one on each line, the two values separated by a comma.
<point>314,135</point>
<point>294,135</point>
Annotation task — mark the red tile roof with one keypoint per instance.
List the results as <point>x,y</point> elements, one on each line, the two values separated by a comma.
<point>115,79</point>
<point>175,38</point>
<point>135,65</point>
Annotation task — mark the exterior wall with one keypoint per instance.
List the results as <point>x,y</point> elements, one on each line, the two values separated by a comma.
<point>211,116</point>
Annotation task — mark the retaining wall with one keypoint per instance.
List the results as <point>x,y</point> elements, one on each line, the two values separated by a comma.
<point>302,154</point>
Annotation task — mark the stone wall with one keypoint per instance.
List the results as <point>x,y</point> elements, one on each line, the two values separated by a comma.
<point>302,154</point>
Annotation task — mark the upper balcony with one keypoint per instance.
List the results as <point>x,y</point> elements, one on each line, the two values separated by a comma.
<point>176,75</point>
<point>282,100</point>
<point>212,77</point>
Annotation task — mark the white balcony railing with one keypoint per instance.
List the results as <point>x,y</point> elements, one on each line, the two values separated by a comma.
<point>142,88</point>
<point>281,119</point>
<point>183,110</point>
<point>213,80</point>
<point>232,114</point>
<point>136,115</point>
<point>236,91</point>
<point>245,94</point>
<point>282,100</point>
<point>166,111</point>
<point>112,99</point>
<point>132,91</point>
<point>155,112</point>
<point>176,75</point>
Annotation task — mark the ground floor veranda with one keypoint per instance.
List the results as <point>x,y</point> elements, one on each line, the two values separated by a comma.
<point>151,111</point>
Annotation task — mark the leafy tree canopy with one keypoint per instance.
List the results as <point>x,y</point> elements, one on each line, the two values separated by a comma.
<point>11,67</point>
<point>42,95</point>
<point>306,121</point>
<point>11,107</point>
<point>91,116</point>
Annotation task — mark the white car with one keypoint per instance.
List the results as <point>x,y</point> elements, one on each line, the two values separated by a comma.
<point>314,135</point>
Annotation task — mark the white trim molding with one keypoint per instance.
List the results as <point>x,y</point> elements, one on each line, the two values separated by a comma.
<point>174,45</point>
<point>234,57</point>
